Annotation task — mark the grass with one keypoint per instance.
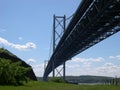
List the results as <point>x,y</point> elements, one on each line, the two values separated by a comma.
<point>58,86</point>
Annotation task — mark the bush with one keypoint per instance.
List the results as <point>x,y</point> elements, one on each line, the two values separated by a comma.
<point>12,73</point>
<point>57,79</point>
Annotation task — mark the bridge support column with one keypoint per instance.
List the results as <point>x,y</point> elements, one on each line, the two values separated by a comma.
<point>59,24</point>
<point>53,69</point>
<point>64,71</point>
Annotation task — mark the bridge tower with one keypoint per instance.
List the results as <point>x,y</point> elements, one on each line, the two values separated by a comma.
<point>59,24</point>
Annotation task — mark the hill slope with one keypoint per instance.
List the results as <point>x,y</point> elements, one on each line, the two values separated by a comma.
<point>8,55</point>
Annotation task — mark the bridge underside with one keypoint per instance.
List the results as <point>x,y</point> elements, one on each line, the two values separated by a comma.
<point>94,21</point>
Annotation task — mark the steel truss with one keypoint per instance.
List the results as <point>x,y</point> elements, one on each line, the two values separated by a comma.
<point>58,30</point>
<point>94,21</point>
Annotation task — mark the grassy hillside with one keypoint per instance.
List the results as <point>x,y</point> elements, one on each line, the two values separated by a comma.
<point>5,54</point>
<point>5,51</point>
<point>59,86</point>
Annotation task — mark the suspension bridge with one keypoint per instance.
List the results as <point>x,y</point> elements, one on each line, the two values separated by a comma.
<point>93,21</point>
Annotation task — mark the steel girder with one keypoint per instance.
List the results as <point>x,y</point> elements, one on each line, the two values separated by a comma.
<point>94,21</point>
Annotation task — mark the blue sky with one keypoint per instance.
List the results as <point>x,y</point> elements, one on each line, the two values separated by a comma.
<point>26,28</point>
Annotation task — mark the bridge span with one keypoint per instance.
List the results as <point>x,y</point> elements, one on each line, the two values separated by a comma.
<point>93,21</point>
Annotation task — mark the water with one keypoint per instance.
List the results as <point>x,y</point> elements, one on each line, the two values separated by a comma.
<point>90,83</point>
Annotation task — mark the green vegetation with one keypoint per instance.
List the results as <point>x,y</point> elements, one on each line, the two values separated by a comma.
<point>8,56</point>
<point>58,86</point>
<point>12,73</point>
<point>57,80</point>
<point>5,51</point>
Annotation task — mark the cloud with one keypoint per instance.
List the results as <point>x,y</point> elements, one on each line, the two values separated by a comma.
<point>111,57</point>
<point>84,60</point>
<point>73,66</point>
<point>83,66</point>
<point>27,46</point>
<point>31,60</point>
<point>108,69</point>
<point>88,66</point>
<point>77,69</point>
<point>38,69</point>
<point>117,57</point>
<point>20,38</point>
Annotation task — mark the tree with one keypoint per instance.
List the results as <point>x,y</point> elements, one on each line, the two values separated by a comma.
<point>12,73</point>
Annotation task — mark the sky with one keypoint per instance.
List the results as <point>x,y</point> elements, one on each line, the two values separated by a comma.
<point>26,30</point>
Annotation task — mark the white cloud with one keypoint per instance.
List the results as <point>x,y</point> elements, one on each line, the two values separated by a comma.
<point>86,60</point>
<point>108,69</point>
<point>111,57</point>
<point>31,60</point>
<point>20,38</point>
<point>87,66</point>
<point>73,66</point>
<point>99,59</point>
<point>28,45</point>
<point>38,69</point>
<point>117,57</point>
<point>80,66</point>
<point>81,60</point>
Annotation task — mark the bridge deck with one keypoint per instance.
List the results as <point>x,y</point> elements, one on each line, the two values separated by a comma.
<point>93,21</point>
